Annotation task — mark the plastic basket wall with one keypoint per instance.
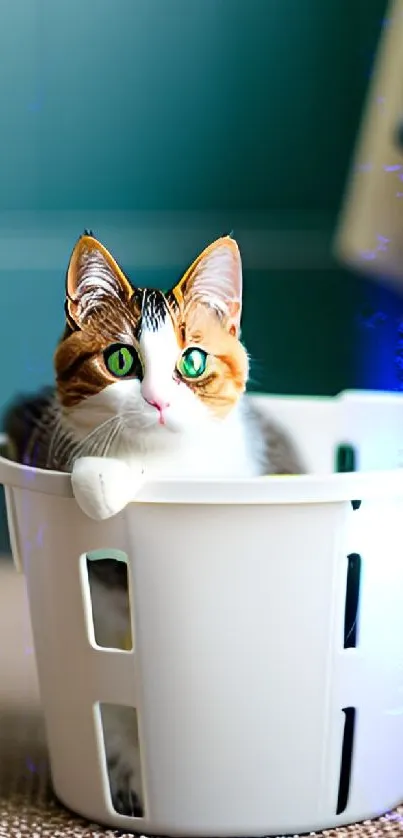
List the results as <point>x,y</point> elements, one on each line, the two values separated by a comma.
<point>267,670</point>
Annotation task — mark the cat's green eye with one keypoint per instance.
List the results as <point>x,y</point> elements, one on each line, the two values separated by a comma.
<point>193,362</point>
<point>122,360</point>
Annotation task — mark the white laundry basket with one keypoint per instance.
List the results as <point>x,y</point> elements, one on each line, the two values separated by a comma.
<point>267,672</point>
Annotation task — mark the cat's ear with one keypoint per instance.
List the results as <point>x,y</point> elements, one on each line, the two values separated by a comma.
<point>215,278</point>
<point>93,278</point>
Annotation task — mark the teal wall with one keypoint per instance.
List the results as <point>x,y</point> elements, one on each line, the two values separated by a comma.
<point>146,106</point>
<point>194,106</point>
<point>181,105</point>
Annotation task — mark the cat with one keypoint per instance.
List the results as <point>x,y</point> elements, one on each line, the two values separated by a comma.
<point>143,375</point>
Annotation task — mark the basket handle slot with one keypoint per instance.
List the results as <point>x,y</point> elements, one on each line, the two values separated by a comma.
<point>352,600</point>
<point>346,759</point>
<point>106,591</point>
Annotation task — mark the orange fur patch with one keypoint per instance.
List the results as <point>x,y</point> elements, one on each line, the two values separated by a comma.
<point>228,358</point>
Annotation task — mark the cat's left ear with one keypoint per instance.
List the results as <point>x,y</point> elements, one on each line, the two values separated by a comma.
<point>93,278</point>
<point>215,278</point>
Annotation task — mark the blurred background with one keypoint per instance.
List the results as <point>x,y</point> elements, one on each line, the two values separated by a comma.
<point>162,125</point>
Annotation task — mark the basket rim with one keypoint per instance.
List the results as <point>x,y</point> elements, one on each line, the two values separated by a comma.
<point>265,490</point>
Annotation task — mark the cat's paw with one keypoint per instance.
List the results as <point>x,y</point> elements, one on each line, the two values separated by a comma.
<point>123,758</point>
<point>103,486</point>
<point>125,779</point>
<point>127,802</point>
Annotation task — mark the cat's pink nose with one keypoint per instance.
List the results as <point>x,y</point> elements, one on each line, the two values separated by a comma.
<point>160,404</point>
<point>156,401</point>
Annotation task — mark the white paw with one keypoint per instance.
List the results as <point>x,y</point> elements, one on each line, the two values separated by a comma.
<point>103,486</point>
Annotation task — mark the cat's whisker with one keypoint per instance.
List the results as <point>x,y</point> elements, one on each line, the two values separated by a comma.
<point>100,443</point>
<point>114,433</point>
<point>138,415</point>
<point>135,411</point>
<point>100,428</point>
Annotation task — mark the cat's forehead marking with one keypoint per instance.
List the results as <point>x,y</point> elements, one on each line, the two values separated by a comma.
<point>158,346</point>
<point>154,310</point>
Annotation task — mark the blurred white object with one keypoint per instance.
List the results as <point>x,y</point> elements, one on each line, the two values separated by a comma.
<point>370,234</point>
<point>267,678</point>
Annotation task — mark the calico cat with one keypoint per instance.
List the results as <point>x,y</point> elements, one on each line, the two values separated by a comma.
<point>143,375</point>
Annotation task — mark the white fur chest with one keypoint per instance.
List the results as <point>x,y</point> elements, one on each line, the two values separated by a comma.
<point>227,448</point>
<point>218,449</point>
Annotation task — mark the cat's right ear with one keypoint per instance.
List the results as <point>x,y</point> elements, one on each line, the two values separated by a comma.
<point>93,278</point>
<point>215,278</point>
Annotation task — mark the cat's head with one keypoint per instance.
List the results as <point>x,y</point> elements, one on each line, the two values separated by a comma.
<point>160,362</point>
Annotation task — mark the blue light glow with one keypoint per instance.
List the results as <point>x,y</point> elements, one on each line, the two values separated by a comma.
<point>378,336</point>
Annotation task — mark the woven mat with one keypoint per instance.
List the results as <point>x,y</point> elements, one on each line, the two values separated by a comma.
<point>27,805</point>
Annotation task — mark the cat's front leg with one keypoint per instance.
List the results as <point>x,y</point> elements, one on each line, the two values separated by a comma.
<point>123,758</point>
<point>103,486</point>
